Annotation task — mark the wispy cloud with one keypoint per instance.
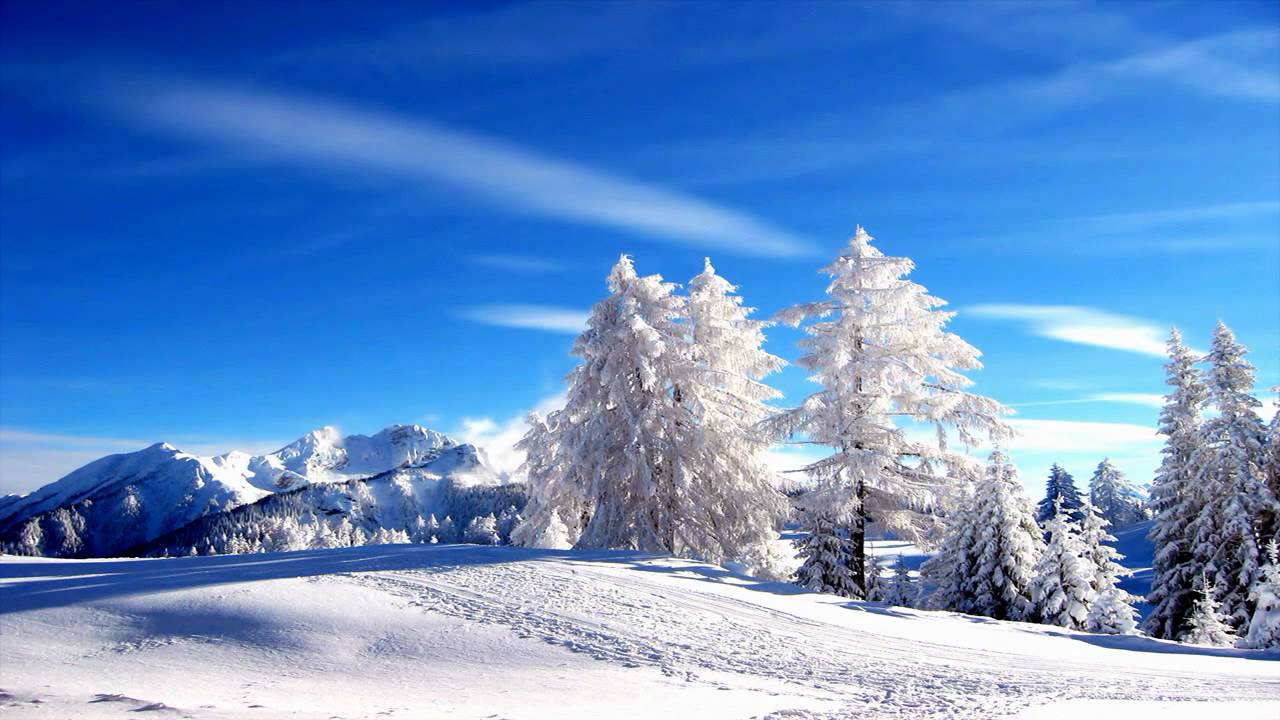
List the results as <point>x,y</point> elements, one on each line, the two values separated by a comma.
<point>1155,400</point>
<point>325,134</point>
<point>1069,436</point>
<point>534,317</point>
<point>1082,325</point>
<point>517,263</point>
<point>1154,219</point>
<point>1223,65</point>
<point>1098,57</point>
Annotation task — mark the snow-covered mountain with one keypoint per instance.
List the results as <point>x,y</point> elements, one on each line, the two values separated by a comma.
<point>121,501</point>
<point>433,502</point>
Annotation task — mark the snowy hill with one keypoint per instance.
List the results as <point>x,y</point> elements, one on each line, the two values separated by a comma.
<point>441,631</point>
<point>121,501</point>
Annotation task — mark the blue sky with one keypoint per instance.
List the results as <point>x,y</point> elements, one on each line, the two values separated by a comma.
<point>225,225</point>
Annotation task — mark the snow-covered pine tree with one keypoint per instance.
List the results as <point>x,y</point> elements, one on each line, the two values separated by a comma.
<point>1060,485</point>
<point>1114,497</point>
<point>1112,613</point>
<point>1112,610</point>
<point>1264,625</point>
<point>448,530</point>
<point>1099,553</point>
<point>1062,586</point>
<point>482,530</point>
<point>950,569</point>
<point>825,553</point>
<point>1269,523</point>
<point>31,539</point>
<point>1205,624</point>
<point>1228,469</point>
<point>900,590</point>
<point>623,430</point>
<point>995,571</point>
<point>557,509</point>
<point>1175,498</point>
<point>877,585</point>
<point>735,509</point>
<point>879,349</point>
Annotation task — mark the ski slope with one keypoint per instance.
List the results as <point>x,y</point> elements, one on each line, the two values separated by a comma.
<point>416,631</point>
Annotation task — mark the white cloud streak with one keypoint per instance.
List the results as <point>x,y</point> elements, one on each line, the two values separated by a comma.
<point>1154,219</point>
<point>1082,325</point>
<point>329,135</point>
<point>1154,400</point>
<point>531,317</point>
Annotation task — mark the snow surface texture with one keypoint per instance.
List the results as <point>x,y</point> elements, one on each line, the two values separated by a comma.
<point>120,501</point>
<point>419,631</point>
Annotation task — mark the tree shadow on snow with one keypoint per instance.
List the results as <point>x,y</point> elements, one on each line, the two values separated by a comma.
<point>1140,643</point>
<point>39,584</point>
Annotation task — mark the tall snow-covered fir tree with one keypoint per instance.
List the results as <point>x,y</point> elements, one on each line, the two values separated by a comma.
<point>1264,625</point>
<point>1062,585</point>
<point>1175,498</point>
<point>879,349</point>
<point>1060,485</point>
<point>987,560</point>
<point>1112,608</point>
<point>737,511</point>
<point>1204,624</point>
<point>1114,497</point>
<point>658,446</point>
<point>1228,471</point>
<point>622,430</point>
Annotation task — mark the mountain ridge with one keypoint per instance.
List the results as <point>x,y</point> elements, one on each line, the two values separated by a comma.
<point>127,499</point>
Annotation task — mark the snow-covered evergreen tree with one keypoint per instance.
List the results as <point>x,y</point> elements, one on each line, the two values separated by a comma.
<point>950,570</point>
<point>1175,498</point>
<point>30,539</point>
<point>483,531</point>
<point>1264,625</point>
<point>1062,586</point>
<point>825,551</point>
<point>448,530</point>
<point>900,590</point>
<point>879,349</point>
<point>1060,485</point>
<point>508,520</point>
<point>558,508</point>
<point>1205,624</point>
<point>623,429</point>
<point>1269,523</point>
<point>657,447</point>
<point>1098,551</point>
<point>735,510</point>
<point>1115,498</point>
<point>1112,611</point>
<point>1228,469</point>
<point>987,563</point>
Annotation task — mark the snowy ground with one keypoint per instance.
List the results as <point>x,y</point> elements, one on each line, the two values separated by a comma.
<point>464,631</point>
